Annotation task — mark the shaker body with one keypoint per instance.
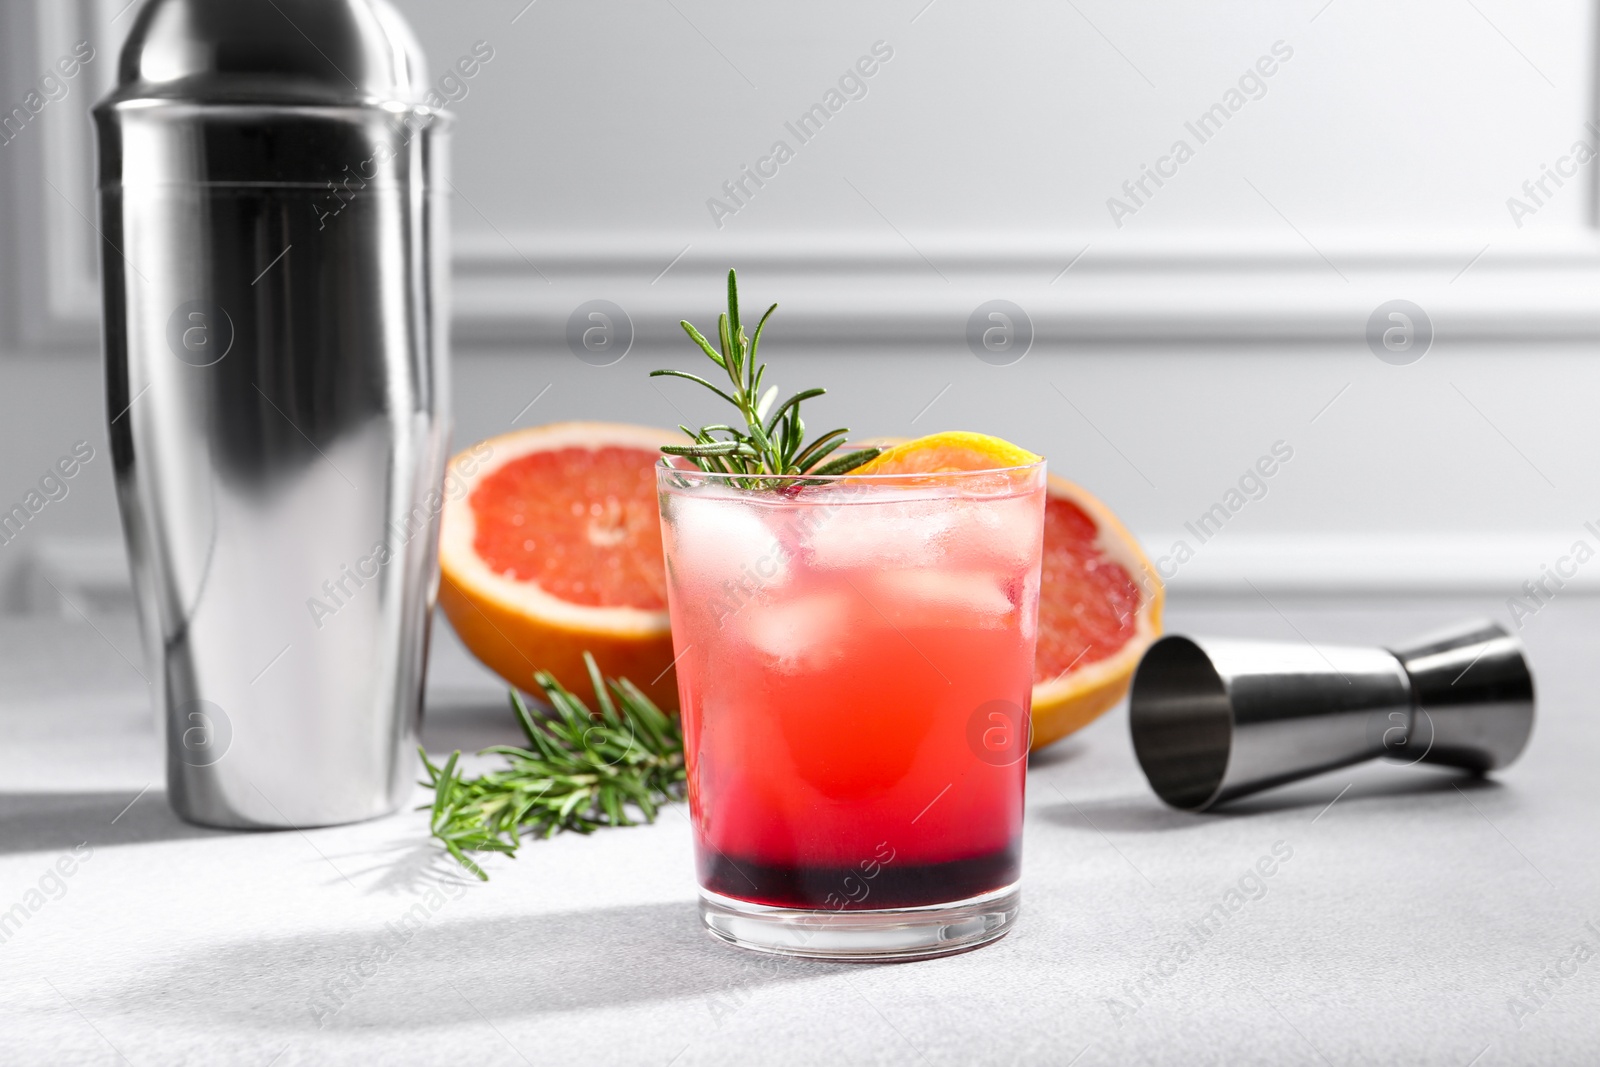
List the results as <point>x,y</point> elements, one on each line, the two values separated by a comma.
<point>277,383</point>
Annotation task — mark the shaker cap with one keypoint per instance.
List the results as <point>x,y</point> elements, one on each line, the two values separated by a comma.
<point>331,52</point>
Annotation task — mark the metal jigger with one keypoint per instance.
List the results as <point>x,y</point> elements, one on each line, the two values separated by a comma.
<point>1215,719</point>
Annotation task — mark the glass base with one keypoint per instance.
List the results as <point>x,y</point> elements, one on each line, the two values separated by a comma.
<point>863,936</point>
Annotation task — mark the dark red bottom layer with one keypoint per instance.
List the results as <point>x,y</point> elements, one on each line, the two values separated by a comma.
<point>870,884</point>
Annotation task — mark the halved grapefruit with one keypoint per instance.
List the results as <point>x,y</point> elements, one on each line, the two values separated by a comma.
<point>1099,598</point>
<point>1099,608</point>
<point>551,545</point>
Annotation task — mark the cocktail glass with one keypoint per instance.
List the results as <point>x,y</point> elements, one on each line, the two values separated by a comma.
<point>855,663</point>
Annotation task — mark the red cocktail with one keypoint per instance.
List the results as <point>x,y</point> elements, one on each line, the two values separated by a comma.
<point>855,659</point>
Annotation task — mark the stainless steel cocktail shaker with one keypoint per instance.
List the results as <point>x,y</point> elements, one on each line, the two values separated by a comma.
<point>277,388</point>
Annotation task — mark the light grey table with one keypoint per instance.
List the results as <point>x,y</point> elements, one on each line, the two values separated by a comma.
<point>1413,916</point>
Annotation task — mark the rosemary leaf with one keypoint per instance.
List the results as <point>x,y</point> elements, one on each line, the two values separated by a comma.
<point>847,463</point>
<point>762,325</point>
<point>821,447</point>
<point>792,402</point>
<point>705,345</point>
<point>693,378</point>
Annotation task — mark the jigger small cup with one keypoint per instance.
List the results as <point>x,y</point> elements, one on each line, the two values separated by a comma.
<point>1215,719</point>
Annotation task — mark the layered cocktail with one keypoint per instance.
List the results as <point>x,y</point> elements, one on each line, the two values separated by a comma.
<point>855,659</point>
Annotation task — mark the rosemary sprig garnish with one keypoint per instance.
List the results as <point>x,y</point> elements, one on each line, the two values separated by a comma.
<point>773,440</point>
<point>580,771</point>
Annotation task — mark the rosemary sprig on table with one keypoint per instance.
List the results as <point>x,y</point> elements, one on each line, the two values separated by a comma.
<point>773,439</point>
<point>580,771</point>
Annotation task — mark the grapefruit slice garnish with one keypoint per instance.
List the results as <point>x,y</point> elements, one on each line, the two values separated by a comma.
<point>952,450</point>
<point>550,545</point>
<point>1099,598</point>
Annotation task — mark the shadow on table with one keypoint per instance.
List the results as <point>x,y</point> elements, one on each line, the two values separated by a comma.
<point>1061,752</point>
<point>1145,813</point>
<point>408,865</point>
<point>417,973</point>
<point>42,822</point>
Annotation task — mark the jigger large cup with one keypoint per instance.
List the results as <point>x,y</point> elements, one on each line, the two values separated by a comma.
<point>1215,719</point>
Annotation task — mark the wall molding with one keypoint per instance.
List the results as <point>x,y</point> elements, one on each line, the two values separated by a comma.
<point>1395,564</point>
<point>874,289</point>
<point>878,296</point>
<point>1077,288</point>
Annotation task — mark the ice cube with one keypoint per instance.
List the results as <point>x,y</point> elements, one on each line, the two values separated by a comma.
<point>884,533</point>
<point>803,633</point>
<point>722,544</point>
<point>1009,530</point>
<point>936,597</point>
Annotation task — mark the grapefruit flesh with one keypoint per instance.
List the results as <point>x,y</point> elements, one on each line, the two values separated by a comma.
<point>579,523</point>
<point>1099,609</point>
<point>1087,603</point>
<point>551,545</point>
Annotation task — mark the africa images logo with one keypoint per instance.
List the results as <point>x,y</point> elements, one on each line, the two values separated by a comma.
<point>200,333</point>
<point>852,85</point>
<point>1251,85</point>
<point>204,733</point>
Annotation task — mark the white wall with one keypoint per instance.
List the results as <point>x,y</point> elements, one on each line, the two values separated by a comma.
<point>1170,352</point>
